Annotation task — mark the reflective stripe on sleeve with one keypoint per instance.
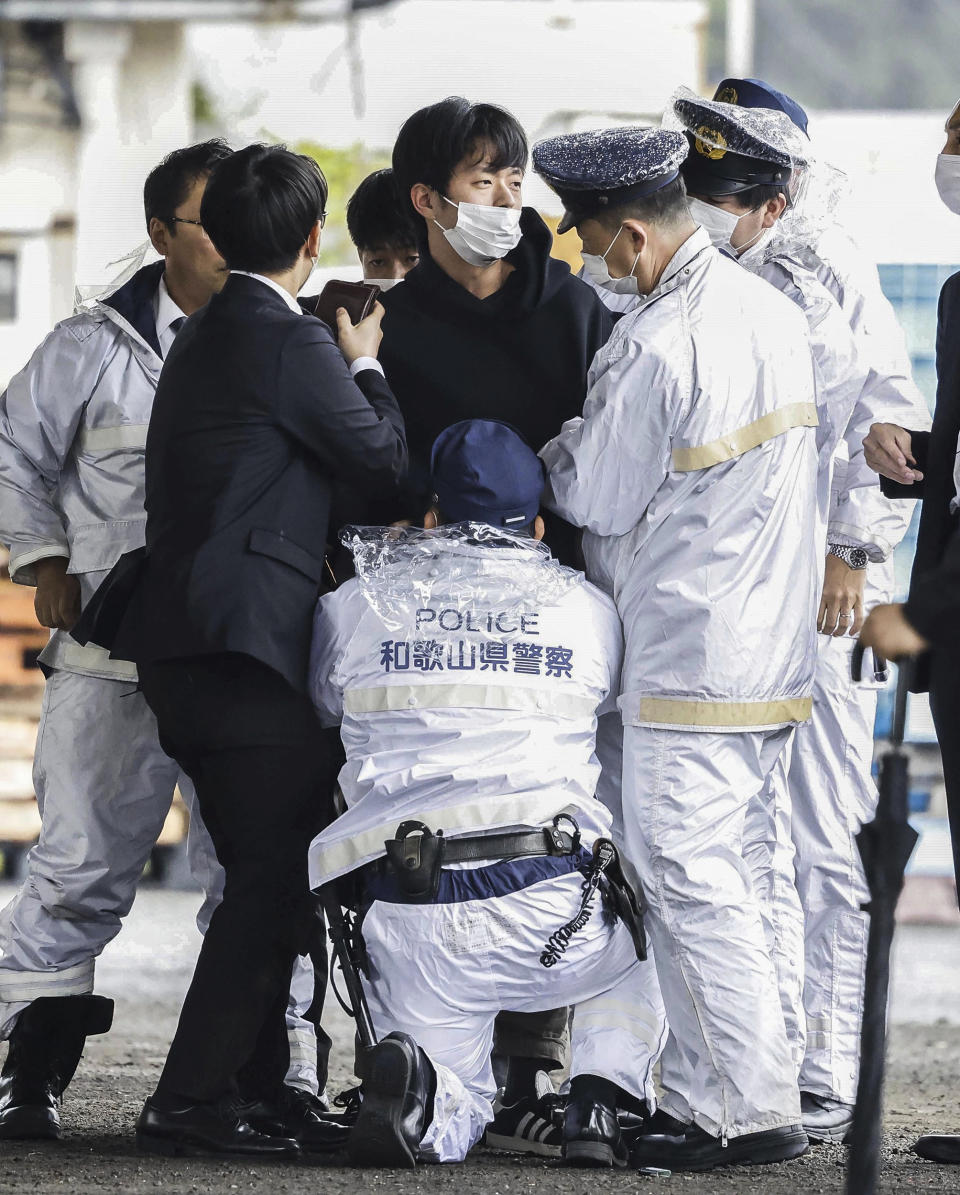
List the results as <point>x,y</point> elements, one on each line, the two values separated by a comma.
<point>492,697</point>
<point>740,715</point>
<point>734,444</point>
<point>109,439</point>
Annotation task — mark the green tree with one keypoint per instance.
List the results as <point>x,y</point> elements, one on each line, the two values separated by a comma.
<point>344,170</point>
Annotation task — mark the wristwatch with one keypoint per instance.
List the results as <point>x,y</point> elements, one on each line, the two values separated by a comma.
<point>851,557</point>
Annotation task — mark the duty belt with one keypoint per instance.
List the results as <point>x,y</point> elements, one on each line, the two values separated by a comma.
<point>416,854</point>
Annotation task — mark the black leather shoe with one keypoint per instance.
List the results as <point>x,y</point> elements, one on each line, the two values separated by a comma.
<point>204,1130</point>
<point>397,1104</point>
<point>939,1147</point>
<point>591,1135</point>
<point>693,1149</point>
<point>45,1049</point>
<point>300,1115</point>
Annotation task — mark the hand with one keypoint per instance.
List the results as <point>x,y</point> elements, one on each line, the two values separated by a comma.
<point>359,340</point>
<point>841,603</point>
<point>887,630</point>
<point>57,602</point>
<point>887,450</point>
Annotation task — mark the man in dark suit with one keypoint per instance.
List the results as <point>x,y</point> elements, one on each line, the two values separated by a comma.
<point>919,464</point>
<point>925,465</point>
<point>257,414</point>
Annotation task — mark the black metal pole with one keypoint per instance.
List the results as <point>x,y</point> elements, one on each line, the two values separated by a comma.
<point>885,845</point>
<point>344,951</point>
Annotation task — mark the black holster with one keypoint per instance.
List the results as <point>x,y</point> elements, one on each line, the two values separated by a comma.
<point>623,894</point>
<point>415,855</point>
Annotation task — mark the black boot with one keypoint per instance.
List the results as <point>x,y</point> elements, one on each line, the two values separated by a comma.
<point>591,1133</point>
<point>45,1048</point>
<point>397,1105</point>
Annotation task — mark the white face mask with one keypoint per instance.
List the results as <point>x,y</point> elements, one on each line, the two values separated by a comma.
<point>482,234</point>
<point>717,221</point>
<point>947,178</point>
<point>595,268</point>
<point>383,283</point>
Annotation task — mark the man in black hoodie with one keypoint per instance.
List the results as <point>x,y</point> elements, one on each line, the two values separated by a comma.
<point>488,326</point>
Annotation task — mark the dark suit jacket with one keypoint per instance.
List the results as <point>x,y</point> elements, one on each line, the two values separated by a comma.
<point>255,417</point>
<point>934,602</point>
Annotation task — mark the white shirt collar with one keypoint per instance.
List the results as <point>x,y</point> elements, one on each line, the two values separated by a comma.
<point>285,295</point>
<point>166,310</point>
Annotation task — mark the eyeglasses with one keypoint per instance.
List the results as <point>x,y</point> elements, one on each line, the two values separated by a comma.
<point>323,219</point>
<point>181,220</point>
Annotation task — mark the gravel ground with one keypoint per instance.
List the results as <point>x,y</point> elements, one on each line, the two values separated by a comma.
<point>148,967</point>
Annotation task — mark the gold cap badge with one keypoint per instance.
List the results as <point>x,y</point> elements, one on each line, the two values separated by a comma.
<point>710,143</point>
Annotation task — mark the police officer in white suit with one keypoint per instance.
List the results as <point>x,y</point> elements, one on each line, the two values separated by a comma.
<point>784,230</point>
<point>694,468</point>
<point>468,669</point>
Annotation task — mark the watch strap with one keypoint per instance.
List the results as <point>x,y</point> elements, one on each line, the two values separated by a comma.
<point>855,558</point>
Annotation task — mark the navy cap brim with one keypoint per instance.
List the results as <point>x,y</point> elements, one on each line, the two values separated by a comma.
<point>584,205</point>
<point>567,221</point>
<point>731,175</point>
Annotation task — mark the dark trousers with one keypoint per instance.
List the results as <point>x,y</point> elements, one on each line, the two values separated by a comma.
<point>264,771</point>
<point>945,707</point>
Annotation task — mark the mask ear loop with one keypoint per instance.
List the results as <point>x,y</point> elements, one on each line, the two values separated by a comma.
<point>752,241</point>
<point>452,204</point>
<point>603,257</point>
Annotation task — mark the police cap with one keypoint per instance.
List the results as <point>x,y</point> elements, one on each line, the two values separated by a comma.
<point>607,168</point>
<point>733,149</point>
<point>484,471</point>
<point>754,93</point>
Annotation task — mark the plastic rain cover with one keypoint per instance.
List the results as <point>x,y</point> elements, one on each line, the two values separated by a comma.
<point>483,575</point>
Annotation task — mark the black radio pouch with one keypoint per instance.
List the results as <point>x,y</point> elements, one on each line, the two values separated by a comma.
<point>415,855</point>
<point>624,896</point>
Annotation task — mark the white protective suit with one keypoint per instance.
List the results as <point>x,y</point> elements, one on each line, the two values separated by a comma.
<point>695,471</point>
<point>73,426</point>
<point>468,675</point>
<point>854,334</point>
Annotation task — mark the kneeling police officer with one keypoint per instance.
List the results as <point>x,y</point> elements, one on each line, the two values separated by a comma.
<point>468,669</point>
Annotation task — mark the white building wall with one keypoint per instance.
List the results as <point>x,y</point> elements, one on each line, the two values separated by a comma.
<point>71,201</point>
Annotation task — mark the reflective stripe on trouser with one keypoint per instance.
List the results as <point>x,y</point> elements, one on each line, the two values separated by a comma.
<point>103,787</point>
<point>206,869</point>
<point>832,794</point>
<point>727,1064</point>
<point>770,857</point>
<point>442,972</point>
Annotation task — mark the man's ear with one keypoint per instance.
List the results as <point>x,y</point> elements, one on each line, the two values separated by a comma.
<point>313,241</point>
<point>422,198</point>
<point>637,233</point>
<point>430,520</point>
<point>159,235</point>
<point>773,209</point>
<point>538,529</point>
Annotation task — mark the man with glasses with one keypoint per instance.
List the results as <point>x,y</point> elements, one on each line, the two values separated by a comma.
<point>73,425</point>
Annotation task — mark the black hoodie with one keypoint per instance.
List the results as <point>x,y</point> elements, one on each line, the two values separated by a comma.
<point>521,355</point>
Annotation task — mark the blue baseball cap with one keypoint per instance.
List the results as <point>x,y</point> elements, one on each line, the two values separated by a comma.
<point>754,93</point>
<point>484,471</point>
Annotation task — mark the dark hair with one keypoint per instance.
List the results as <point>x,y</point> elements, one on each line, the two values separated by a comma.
<point>434,140</point>
<point>377,216</point>
<point>169,184</point>
<point>762,193</point>
<point>666,206</point>
<point>260,205</point>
